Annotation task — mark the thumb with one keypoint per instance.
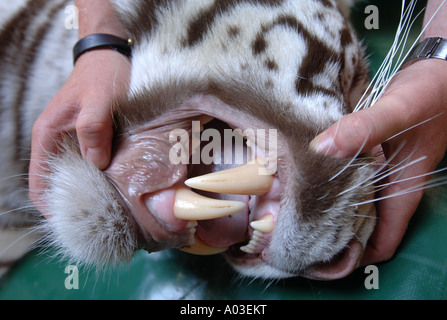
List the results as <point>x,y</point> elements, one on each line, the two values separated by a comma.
<point>363,130</point>
<point>94,128</point>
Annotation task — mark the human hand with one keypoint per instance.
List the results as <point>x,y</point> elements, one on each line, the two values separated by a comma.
<point>83,105</point>
<point>418,93</point>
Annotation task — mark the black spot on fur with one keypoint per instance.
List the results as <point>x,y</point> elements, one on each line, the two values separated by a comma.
<point>327,3</point>
<point>198,27</point>
<point>319,54</point>
<point>259,45</point>
<point>146,18</point>
<point>271,64</point>
<point>233,31</point>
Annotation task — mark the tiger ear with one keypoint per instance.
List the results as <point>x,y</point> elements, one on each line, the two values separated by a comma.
<point>339,267</point>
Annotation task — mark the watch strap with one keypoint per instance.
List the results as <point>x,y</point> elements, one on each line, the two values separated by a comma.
<point>429,48</point>
<point>101,41</point>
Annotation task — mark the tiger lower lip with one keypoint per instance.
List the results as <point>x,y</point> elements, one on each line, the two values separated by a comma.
<point>201,248</point>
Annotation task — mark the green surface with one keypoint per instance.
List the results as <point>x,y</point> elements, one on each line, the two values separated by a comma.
<point>418,271</point>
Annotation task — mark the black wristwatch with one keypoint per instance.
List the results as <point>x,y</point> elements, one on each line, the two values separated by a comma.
<point>101,41</point>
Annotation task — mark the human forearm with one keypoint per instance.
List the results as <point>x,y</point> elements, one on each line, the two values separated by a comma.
<point>98,16</point>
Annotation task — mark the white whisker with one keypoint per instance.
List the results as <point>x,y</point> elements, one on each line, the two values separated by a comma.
<point>350,162</point>
<point>365,216</point>
<point>398,165</point>
<point>16,176</point>
<point>419,187</point>
<point>416,125</point>
<point>19,209</point>
<point>374,174</point>
<point>383,74</point>
<point>386,71</point>
<point>382,186</point>
<point>17,240</point>
<point>395,170</point>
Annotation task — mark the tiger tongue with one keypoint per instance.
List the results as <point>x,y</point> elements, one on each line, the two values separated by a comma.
<point>228,230</point>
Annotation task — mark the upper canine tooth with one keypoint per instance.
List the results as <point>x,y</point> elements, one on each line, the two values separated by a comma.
<point>248,179</point>
<point>192,206</point>
<point>264,225</point>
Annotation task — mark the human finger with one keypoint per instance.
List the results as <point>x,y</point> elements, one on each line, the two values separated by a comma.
<point>94,128</point>
<point>365,129</point>
<point>415,96</point>
<point>412,158</point>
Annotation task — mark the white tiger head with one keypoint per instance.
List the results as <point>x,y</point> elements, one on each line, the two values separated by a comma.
<point>290,66</point>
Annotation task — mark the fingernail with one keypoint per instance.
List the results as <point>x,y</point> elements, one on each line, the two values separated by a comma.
<point>98,156</point>
<point>324,144</point>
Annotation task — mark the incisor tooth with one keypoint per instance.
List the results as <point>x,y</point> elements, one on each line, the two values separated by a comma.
<point>248,249</point>
<point>264,225</point>
<point>192,206</point>
<point>248,179</point>
<point>201,248</point>
<point>261,226</point>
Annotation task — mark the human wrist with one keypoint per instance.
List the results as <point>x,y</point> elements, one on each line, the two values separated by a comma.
<point>435,30</point>
<point>434,73</point>
<point>102,41</point>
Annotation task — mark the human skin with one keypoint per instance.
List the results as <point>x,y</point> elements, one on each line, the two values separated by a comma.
<point>84,103</point>
<point>416,94</point>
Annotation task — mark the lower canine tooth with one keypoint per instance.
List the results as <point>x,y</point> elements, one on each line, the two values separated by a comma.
<point>201,248</point>
<point>192,206</point>
<point>264,225</point>
<point>248,179</point>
